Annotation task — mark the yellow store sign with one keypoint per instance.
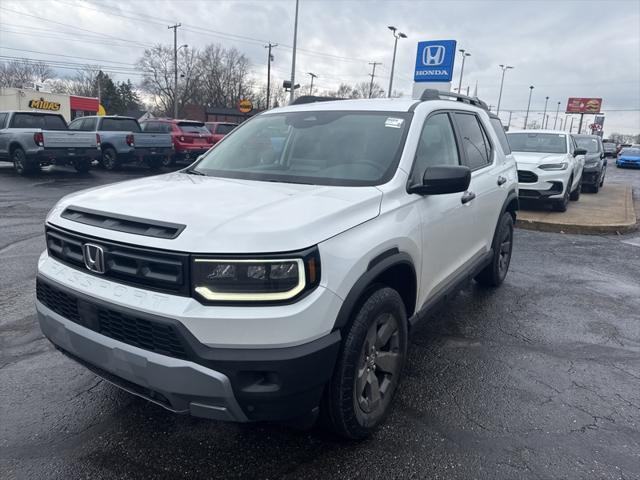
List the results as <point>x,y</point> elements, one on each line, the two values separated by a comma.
<point>42,104</point>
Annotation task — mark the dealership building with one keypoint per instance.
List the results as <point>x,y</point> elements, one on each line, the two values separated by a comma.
<point>69,106</point>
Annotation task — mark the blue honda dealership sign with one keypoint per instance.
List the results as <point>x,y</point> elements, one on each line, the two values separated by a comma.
<point>434,61</point>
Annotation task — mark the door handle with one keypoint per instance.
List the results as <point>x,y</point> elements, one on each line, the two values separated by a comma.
<point>501,180</point>
<point>467,197</point>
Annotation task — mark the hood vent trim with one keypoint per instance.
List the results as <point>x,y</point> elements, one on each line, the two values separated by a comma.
<point>123,223</point>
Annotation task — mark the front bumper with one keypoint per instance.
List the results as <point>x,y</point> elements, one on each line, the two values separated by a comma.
<point>547,185</point>
<point>591,175</point>
<point>139,352</point>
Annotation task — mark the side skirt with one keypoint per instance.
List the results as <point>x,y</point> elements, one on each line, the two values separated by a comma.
<point>450,289</point>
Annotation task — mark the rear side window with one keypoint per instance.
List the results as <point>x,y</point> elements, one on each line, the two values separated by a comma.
<point>474,141</point>
<point>502,136</point>
<point>156,127</point>
<point>436,147</point>
<point>3,118</point>
<point>119,125</point>
<point>45,122</point>
<point>224,128</point>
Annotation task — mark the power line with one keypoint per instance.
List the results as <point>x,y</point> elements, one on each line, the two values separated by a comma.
<point>67,56</point>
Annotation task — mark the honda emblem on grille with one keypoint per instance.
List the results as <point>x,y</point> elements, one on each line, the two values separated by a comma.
<point>93,257</point>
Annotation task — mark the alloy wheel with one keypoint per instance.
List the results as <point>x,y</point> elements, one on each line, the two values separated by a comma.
<point>379,365</point>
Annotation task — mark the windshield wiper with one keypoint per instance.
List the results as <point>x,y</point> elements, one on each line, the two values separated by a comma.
<point>194,172</point>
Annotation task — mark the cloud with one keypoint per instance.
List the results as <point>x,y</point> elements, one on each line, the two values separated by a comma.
<point>564,48</point>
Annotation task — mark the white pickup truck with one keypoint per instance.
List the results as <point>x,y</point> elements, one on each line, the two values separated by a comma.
<point>34,139</point>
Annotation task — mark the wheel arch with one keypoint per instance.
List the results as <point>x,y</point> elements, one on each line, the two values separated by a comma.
<point>391,268</point>
<point>13,146</point>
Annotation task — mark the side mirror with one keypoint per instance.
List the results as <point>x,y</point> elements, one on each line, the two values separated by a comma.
<point>441,180</point>
<point>579,151</point>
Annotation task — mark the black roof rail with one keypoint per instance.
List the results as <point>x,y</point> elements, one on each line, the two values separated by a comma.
<point>433,94</point>
<point>312,99</point>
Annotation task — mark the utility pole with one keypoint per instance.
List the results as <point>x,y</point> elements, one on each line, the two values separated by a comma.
<point>546,100</point>
<point>504,69</point>
<point>526,117</point>
<point>269,60</point>
<point>293,57</point>
<point>175,68</point>
<point>556,119</point>
<point>372,75</point>
<point>571,125</point>
<point>312,75</point>
<point>509,124</point>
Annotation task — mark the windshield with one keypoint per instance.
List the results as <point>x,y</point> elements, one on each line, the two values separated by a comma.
<point>538,142</point>
<point>37,120</point>
<point>193,127</point>
<point>320,148</point>
<point>631,152</point>
<point>588,143</point>
<point>120,125</point>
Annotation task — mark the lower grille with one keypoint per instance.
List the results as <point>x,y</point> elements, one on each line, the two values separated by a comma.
<point>524,176</point>
<point>139,332</point>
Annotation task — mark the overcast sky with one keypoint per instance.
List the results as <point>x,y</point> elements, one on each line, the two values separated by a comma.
<point>563,48</point>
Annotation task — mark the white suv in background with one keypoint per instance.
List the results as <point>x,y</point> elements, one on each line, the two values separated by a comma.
<point>292,263</point>
<point>549,166</point>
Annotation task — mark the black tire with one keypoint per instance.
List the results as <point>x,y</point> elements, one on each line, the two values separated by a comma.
<point>169,161</point>
<point>574,196</point>
<point>358,397</point>
<point>604,173</point>
<point>494,274</point>
<point>561,205</point>
<point>110,159</point>
<point>24,165</point>
<point>82,165</point>
<point>154,163</point>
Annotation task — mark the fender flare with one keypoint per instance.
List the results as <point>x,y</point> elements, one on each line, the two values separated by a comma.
<point>377,266</point>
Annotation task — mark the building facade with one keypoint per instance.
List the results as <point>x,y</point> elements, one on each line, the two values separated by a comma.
<point>69,106</point>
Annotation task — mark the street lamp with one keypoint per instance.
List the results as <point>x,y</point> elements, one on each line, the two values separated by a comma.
<point>526,117</point>
<point>396,35</point>
<point>504,69</point>
<point>312,75</point>
<point>464,54</point>
<point>556,119</point>
<point>546,100</point>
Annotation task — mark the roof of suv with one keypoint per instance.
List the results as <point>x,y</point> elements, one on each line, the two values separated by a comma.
<point>369,104</point>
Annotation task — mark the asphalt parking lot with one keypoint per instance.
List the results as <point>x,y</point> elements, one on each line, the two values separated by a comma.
<point>539,379</point>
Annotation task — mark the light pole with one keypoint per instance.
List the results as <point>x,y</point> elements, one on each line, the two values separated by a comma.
<point>312,75</point>
<point>175,67</point>
<point>546,100</point>
<point>504,69</point>
<point>464,54</point>
<point>293,57</point>
<point>526,117</point>
<point>556,119</point>
<point>396,35</point>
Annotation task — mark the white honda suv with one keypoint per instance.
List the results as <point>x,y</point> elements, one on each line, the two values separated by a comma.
<point>549,166</point>
<point>294,259</point>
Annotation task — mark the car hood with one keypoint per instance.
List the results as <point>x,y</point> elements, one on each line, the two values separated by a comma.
<point>226,215</point>
<point>535,158</point>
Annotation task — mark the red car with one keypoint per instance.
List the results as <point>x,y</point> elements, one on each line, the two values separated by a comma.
<point>220,129</point>
<point>190,138</point>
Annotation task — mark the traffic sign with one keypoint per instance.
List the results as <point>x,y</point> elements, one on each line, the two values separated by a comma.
<point>245,106</point>
<point>434,61</point>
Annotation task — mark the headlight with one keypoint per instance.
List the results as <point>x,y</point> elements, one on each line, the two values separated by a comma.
<point>272,278</point>
<point>554,166</point>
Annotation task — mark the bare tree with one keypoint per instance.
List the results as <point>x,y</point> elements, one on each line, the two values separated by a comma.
<point>22,73</point>
<point>158,69</point>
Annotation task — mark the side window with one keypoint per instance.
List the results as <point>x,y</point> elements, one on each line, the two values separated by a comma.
<point>76,124</point>
<point>3,119</point>
<point>502,136</point>
<point>437,146</point>
<point>474,140</point>
<point>89,124</point>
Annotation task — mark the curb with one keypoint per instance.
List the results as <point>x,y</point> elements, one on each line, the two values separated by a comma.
<point>629,224</point>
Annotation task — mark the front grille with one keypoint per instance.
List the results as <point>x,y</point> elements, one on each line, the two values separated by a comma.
<point>149,268</point>
<point>123,223</point>
<point>140,332</point>
<point>525,176</point>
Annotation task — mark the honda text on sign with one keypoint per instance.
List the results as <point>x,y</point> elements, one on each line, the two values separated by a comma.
<point>434,61</point>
